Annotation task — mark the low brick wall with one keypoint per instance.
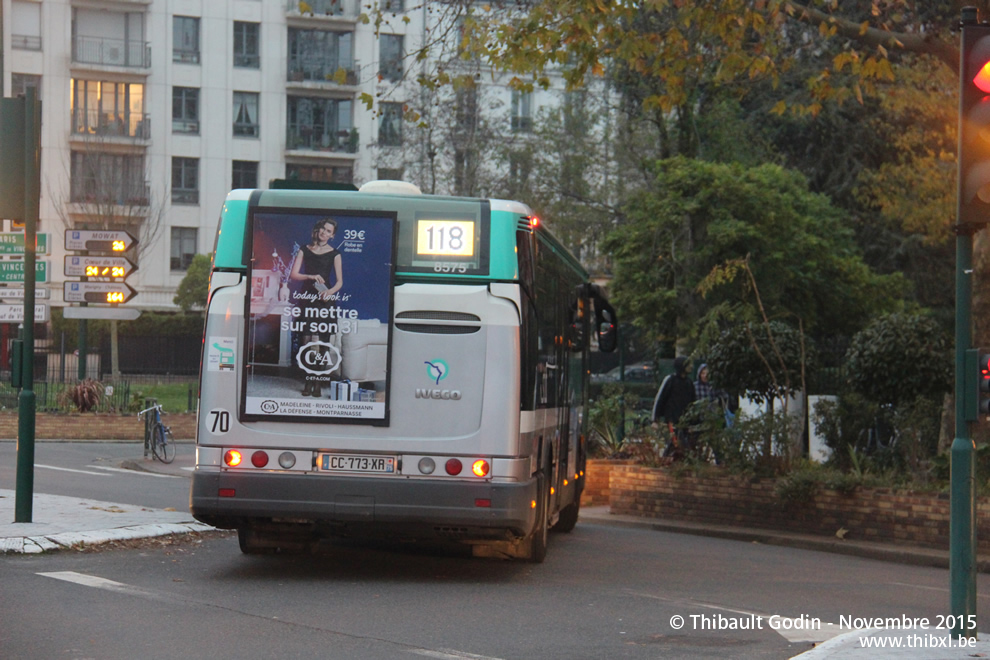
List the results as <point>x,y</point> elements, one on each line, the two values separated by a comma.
<point>93,426</point>
<point>867,515</point>
<point>596,478</point>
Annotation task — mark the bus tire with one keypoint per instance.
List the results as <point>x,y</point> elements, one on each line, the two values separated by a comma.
<point>537,542</point>
<point>568,517</point>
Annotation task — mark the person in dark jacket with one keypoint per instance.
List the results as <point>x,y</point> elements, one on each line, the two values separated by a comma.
<point>676,393</point>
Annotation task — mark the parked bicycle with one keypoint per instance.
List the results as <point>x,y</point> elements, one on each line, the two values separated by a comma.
<point>158,436</point>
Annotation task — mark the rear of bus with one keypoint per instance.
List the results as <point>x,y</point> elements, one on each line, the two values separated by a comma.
<point>416,432</point>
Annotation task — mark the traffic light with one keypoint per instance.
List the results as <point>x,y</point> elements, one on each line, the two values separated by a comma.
<point>977,388</point>
<point>974,127</point>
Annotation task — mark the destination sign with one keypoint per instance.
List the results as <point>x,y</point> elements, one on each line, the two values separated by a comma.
<point>89,266</point>
<point>15,313</point>
<point>105,292</point>
<point>12,242</point>
<point>98,240</point>
<point>13,271</point>
<point>18,294</point>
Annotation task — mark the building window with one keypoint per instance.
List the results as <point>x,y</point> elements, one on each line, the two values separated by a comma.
<point>185,110</point>
<point>25,29</point>
<point>393,6</point>
<point>101,107</point>
<point>390,57</point>
<point>319,54</point>
<point>322,174</point>
<point>320,124</point>
<point>390,125</point>
<point>389,174</point>
<point>21,82</point>
<point>246,114</point>
<point>244,174</point>
<point>466,109</point>
<point>185,39</point>
<point>522,111</point>
<point>101,177</point>
<point>185,180</point>
<point>183,247</point>
<point>247,49</point>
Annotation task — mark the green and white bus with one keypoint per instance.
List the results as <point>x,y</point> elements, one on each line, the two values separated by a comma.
<point>387,363</point>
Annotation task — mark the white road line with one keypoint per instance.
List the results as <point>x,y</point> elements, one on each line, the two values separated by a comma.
<point>136,472</point>
<point>793,630</point>
<point>62,469</point>
<point>450,654</point>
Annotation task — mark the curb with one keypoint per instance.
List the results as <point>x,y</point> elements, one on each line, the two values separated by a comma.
<point>67,540</point>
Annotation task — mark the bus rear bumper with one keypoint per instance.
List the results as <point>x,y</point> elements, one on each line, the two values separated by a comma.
<point>335,505</point>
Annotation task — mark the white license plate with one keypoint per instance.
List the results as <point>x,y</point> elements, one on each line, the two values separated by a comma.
<point>353,463</point>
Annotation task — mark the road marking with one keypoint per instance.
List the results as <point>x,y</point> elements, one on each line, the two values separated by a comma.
<point>62,469</point>
<point>923,587</point>
<point>786,628</point>
<point>137,472</point>
<point>121,588</point>
<point>450,654</point>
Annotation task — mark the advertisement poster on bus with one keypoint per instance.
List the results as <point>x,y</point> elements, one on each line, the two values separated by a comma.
<point>318,339</point>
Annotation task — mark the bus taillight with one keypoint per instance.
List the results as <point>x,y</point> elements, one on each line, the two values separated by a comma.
<point>480,468</point>
<point>233,458</point>
<point>259,459</point>
<point>453,467</point>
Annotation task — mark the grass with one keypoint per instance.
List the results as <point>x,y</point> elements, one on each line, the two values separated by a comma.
<point>174,397</point>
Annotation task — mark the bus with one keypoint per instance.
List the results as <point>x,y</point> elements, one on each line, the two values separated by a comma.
<point>386,363</point>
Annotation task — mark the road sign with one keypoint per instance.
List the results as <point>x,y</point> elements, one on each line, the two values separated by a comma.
<point>106,313</point>
<point>12,242</point>
<point>87,266</point>
<point>15,313</point>
<point>18,294</point>
<point>13,271</point>
<point>98,239</point>
<point>108,292</point>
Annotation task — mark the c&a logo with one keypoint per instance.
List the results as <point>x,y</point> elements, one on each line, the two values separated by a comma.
<point>318,358</point>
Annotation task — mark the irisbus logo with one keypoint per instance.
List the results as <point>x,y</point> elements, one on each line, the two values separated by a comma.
<point>437,370</point>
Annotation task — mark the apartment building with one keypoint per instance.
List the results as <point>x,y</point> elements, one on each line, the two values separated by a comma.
<point>152,110</point>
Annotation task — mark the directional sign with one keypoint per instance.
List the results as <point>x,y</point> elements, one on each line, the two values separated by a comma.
<point>13,271</point>
<point>12,242</point>
<point>99,240</point>
<point>105,313</point>
<point>18,294</point>
<point>87,266</point>
<point>15,313</point>
<point>107,292</point>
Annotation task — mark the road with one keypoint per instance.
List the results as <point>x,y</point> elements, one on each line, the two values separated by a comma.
<point>604,592</point>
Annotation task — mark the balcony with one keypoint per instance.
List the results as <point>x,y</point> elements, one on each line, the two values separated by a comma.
<point>340,71</point>
<point>92,123</point>
<point>111,52</point>
<point>109,191</point>
<point>25,42</point>
<point>340,9</point>
<point>304,138</point>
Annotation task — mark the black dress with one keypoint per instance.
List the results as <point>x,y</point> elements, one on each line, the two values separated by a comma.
<point>317,264</point>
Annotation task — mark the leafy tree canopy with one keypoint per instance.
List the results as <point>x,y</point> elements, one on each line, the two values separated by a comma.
<point>195,286</point>
<point>677,251</point>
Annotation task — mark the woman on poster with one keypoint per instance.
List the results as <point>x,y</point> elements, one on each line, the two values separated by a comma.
<point>318,267</point>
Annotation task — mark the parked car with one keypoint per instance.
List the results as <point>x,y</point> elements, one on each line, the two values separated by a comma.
<point>638,372</point>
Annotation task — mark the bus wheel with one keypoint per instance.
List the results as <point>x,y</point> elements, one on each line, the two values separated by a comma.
<point>537,550</point>
<point>568,517</point>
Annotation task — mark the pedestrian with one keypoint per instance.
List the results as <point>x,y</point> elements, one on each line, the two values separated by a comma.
<point>705,391</point>
<point>676,393</point>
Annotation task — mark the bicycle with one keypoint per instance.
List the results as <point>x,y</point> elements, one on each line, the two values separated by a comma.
<point>158,436</point>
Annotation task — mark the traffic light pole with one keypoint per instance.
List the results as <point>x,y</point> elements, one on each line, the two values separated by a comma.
<point>24,495</point>
<point>962,516</point>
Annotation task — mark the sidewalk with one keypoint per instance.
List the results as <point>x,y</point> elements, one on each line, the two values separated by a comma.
<point>59,522</point>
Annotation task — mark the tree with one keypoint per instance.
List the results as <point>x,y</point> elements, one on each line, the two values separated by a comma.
<point>195,286</point>
<point>698,218</point>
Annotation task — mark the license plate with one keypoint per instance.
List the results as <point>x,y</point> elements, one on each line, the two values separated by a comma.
<point>353,463</point>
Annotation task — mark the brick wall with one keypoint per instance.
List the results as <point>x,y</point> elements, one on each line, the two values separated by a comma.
<point>92,426</point>
<point>868,515</point>
<point>596,478</point>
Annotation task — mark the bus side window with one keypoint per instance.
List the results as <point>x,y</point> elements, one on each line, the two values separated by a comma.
<point>576,328</point>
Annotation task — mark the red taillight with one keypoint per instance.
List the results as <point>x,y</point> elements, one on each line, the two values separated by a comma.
<point>226,492</point>
<point>480,468</point>
<point>259,459</point>
<point>453,467</point>
<point>483,503</point>
<point>233,458</point>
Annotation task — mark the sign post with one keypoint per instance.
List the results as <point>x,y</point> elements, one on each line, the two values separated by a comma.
<point>20,198</point>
